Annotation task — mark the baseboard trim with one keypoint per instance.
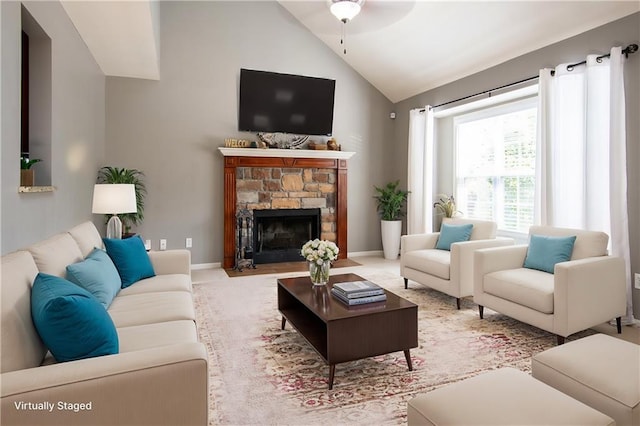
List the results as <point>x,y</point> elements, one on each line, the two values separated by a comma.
<point>365,253</point>
<point>197,266</point>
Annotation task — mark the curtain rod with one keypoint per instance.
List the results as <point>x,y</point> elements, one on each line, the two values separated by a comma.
<point>632,48</point>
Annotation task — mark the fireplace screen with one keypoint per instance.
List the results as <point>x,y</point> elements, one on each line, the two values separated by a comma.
<point>279,234</point>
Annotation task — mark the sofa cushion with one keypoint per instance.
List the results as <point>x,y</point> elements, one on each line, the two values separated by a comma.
<point>21,345</point>
<point>159,283</point>
<point>150,308</point>
<point>98,275</point>
<point>140,337</point>
<point>482,229</point>
<point>131,259</point>
<point>54,254</point>
<point>588,243</point>
<point>87,237</point>
<point>432,261</point>
<point>545,251</point>
<point>526,287</point>
<point>450,234</point>
<point>70,321</point>
<point>600,370</point>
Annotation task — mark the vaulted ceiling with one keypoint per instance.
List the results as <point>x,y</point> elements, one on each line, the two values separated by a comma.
<point>401,47</point>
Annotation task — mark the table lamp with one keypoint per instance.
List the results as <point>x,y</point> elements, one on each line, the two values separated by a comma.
<point>114,199</point>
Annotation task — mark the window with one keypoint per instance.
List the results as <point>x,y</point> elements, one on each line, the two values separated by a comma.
<point>495,156</point>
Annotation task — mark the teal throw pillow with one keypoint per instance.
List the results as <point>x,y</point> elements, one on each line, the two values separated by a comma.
<point>98,275</point>
<point>545,251</point>
<point>70,321</point>
<point>450,234</point>
<point>131,259</point>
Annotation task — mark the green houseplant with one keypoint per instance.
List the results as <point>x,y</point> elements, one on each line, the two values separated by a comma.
<point>391,202</point>
<point>27,175</point>
<point>109,174</point>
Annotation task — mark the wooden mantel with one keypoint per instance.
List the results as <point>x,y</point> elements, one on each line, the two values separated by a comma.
<point>287,158</point>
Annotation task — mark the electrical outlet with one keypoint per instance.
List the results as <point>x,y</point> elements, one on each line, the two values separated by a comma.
<point>163,244</point>
<point>188,242</point>
<point>147,245</point>
<point>638,281</point>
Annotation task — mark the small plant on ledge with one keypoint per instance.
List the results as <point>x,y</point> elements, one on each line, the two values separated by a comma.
<point>27,175</point>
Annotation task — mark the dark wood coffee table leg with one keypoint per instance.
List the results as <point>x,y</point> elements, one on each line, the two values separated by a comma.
<point>408,357</point>
<point>284,321</point>
<point>332,373</point>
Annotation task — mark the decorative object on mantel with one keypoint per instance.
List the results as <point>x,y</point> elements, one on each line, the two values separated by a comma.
<point>332,145</point>
<point>319,254</point>
<point>238,143</point>
<point>283,140</point>
<point>391,202</point>
<point>317,146</point>
<point>27,175</point>
<point>244,248</point>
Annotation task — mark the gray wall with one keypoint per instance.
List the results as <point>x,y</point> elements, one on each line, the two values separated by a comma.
<point>171,129</point>
<point>77,129</point>
<point>599,40</point>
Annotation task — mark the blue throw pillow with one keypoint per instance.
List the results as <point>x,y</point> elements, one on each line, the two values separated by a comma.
<point>98,275</point>
<point>131,259</point>
<point>544,252</point>
<point>450,234</point>
<point>70,321</point>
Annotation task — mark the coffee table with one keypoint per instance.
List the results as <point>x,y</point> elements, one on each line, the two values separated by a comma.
<point>341,333</point>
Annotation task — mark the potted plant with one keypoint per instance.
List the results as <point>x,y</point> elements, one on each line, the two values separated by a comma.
<point>445,207</point>
<point>110,174</point>
<point>391,203</point>
<point>27,175</point>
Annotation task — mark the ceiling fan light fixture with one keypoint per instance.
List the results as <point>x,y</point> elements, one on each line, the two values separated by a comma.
<point>346,10</point>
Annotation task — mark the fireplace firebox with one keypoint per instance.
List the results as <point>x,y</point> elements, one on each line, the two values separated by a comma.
<point>278,234</point>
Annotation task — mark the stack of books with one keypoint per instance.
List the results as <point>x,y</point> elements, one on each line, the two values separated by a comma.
<point>358,292</point>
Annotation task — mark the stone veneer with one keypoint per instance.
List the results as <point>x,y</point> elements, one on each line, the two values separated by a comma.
<point>268,188</point>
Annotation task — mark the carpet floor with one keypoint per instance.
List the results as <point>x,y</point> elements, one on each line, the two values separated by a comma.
<point>260,374</point>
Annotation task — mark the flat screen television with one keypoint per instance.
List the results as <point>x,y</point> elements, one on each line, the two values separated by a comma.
<point>272,102</point>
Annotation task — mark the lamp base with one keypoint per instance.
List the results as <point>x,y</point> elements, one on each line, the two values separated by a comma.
<point>114,228</point>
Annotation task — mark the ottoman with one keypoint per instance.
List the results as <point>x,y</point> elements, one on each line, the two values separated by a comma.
<point>599,370</point>
<point>501,397</point>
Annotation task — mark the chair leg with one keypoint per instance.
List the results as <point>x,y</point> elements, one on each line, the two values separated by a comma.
<point>458,302</point>
<point>560,340</point>
<point>481,308</point>
<point>406,283</point>
<point>619,324</point>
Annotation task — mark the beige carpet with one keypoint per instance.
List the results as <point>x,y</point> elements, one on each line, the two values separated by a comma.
<point>260,374</point>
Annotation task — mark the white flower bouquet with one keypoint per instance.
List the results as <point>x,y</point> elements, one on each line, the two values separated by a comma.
<point>320,251</point>
<point>319,254</point>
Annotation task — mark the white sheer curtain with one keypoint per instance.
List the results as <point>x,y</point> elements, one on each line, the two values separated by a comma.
<point>582,152</point>
<point>420,171</point>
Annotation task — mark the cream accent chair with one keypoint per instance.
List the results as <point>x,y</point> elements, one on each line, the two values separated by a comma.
<point>450,272</point>
<point>585,291</point>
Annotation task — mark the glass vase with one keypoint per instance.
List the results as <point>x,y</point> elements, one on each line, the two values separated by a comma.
<point>319,273</point>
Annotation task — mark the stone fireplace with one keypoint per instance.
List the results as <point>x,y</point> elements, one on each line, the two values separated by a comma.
<point>265,180</point>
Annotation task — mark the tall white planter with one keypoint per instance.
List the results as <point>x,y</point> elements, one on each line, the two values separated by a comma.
<point>391,230</point>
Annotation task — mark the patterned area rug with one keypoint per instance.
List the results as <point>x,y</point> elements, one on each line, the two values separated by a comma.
<point>260,374</point>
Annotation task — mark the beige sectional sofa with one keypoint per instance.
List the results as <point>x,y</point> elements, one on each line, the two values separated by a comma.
<point>159,376</point>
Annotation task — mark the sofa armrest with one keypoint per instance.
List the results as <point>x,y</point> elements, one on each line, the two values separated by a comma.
<point>418,242</point>
<point>588,292</point>
<point>166,385</point>
<point>171,262</point>
<point>494,259</point>
<point>462,253</point>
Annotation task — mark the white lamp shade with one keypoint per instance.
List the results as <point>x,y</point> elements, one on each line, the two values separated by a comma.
<point>114,198</point>
<point>345,10</point>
